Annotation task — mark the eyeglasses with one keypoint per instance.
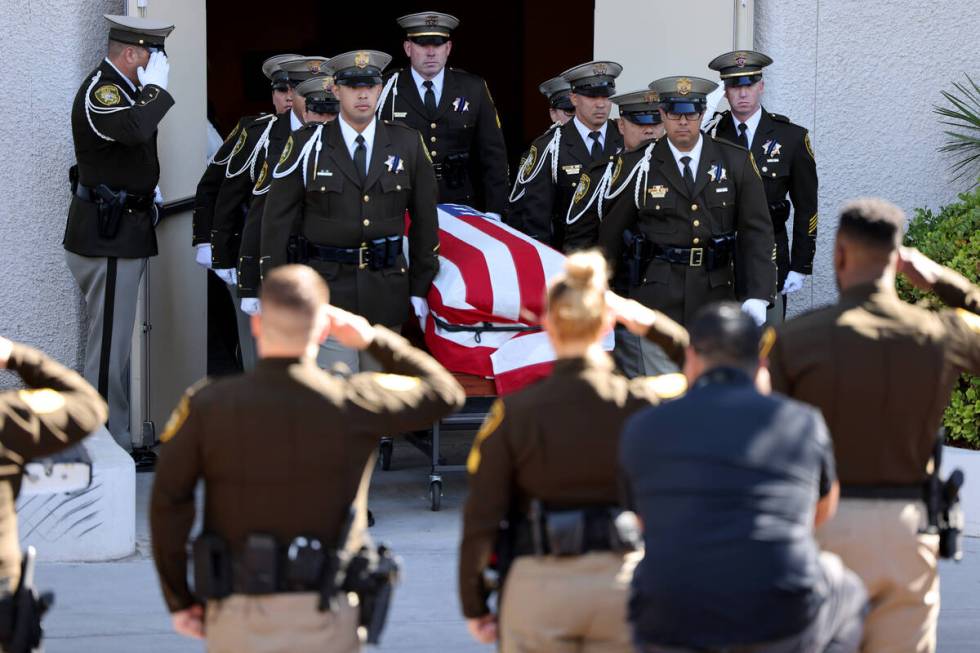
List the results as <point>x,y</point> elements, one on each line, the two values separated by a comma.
<point>690,117</point>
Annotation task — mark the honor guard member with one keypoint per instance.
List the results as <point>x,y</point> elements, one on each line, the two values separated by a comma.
<point>57,409</point>
<point>785,158</point>
<point>453,111</point>
<point>113,212</point>
<point>882,372</point>
<point>278,522</point>
<point>338,200</point>
<point>605,183</point>
<point>694,218</point>
<point>296,69</point>
<point>550,171</point>
<point>319,102</point>
<point>560,107</point>
<point>544,461</point>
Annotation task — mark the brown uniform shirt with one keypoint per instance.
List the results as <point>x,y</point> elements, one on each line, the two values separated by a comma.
<point>556,441</point>
<point>881,370</point>
<point>282,449</point>
<point>58,409</point>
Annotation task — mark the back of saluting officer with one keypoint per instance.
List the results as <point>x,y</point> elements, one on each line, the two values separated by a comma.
<point>453,111</point>
<point>549,173</point>
<point>881,371</point>
<point>545,461</point>
<point>113,213</point>
<point>302,440</point>
<point>785,158</point>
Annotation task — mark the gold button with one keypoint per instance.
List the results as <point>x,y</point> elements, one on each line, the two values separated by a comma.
<point>774,174</point>
<point>433,139</point>
<point>366,223</point>
<point>432,126</point>
<point>765,169</point>
<point>724,203</point>
<point>697,241</point>
<point>432,153</point>
<point>323,188</point>
<point>398,187</point>
<point>367,198</point>
<point>697,223</point>
<point>657,207</point>
<point>694,207</point>
<point>363,244</point>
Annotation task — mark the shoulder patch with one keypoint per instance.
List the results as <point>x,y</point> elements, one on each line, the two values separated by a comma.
<point>240,143</point>
<point>767,342</point>
<point>583,187</point>
<point>809,147</point>
<point>754,166</point>
<point>527,165</point>
<point>288,149</point>
<point>397,382</point>
<point>489,426</point>
<point>108,94</point>
<point>177,418</point>
<point>668,386</point>
<point>263,173</point>
<point>972,320</point>
<point>618,168</point>
<point>42,401</point>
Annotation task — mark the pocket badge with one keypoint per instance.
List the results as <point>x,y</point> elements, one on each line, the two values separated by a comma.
<point>657,192</point>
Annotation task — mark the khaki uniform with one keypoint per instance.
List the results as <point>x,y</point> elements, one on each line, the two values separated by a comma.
<point>284,450</point>
<point>533,447</point>
<point>57,409</point>
<point>882,371</point>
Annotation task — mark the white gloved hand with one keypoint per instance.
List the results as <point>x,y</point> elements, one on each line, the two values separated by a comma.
<point>157,196</point>
<point>251,305</point>
<point>495,216</point>
<point>756,309</point>
<point>228,275</point>
<point>794,282</point>
<point>421,308</point>
<point>202,254</point>
<point>156,72</point>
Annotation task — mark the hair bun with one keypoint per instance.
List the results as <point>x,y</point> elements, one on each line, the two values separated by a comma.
<point>585,270</point>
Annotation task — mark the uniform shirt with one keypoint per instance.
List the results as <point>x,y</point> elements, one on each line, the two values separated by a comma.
<point>294,122</point>
<point>300,440</point>
<point>695,155</point>
<point>882,372</point>
<point>725,481</point>
<point>57,409</point>
<point>556,442</point>
<point>752,124</point>
<point>350,138</point>
<point>584,132</point>
<point>437,83</point>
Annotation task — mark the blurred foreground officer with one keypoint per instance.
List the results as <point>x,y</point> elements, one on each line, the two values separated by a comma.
<point>113,212</point>
<point>882,371</point>
<point>785,157</point>
<point>545,461</point>
<point>724,481</point>
<point>453,111</point>
<point>550,171</point>
<point>560,107</point>
<point>57,409</point>
<point>277,514</point>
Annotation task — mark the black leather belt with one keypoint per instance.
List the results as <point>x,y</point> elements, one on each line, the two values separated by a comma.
<point>695,257</point>
<point>439,169</point>
<point>129,200</point>
<point>376,255</point>
<point>897,492</point>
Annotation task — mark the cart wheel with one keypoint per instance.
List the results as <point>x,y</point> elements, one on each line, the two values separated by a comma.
<point>386,448</point>
<point>435,495</point>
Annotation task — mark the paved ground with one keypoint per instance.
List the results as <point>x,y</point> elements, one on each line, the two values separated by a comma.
<point>116,607</point>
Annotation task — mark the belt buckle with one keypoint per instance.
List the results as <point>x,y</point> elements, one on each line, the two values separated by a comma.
<point>362,262</point>
<point>697,257</point>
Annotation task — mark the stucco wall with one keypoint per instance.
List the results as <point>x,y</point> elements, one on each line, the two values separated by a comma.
<point>46,50</point>
<point>863,77</point>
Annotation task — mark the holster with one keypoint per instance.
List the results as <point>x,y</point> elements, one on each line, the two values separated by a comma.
<point>110,208</point>
<point>21,613</point>
<point>212,567</point>
<point>570,532</point>
<point>373,576</point>
<point>637,255</point>
<point>943,506</point>
<point>297,250</point>
<point>779,212</point>
<point>455,170</point>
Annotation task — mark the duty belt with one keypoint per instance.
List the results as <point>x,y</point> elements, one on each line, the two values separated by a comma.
<point>375,255</point>
<point>897,492</point>
<point>571,532</point>
<point>102,193</point>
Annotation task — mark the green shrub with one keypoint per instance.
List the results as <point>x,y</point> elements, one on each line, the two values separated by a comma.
<point>951,237</point>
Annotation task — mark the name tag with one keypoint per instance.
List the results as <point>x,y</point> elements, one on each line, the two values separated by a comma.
<point>657,192</point>
<point>401,114</point>
<point>772,160</point>
<point>723,189</point>
<point>572,170</point>
<point>324,173</point>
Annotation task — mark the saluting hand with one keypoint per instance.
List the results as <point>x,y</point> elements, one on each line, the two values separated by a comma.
<point>921,271</point>
<point>633,315</point>
<point>189,622</point>
<point>483,629</point>
<point>6,347</point>
<point>350,330</point>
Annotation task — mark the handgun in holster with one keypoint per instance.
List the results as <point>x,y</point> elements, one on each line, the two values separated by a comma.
<point>943,506</point>
<point>21,613</point>
<point>779,211</point>
<point>212,567</point>
<point>73,178</point>
<point>373,577</point>
<point>636,255</point>
<point>296,249</point>
<point>455,169</point>
<point>110,208</point>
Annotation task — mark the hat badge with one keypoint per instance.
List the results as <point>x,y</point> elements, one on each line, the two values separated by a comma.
<point>431,21</point>
<point>599,69</point>
<point>740,59</point>
<point>684,86</point>
<point>651,96</point>
<point>328,83</point>
<point>313,66</point>
<point>362,59</point>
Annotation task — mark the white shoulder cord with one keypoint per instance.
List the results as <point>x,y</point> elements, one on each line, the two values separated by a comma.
<point>641,179</point>
<point>250,162</point>
<point>389,88</point>
<point>599,192</point>
<point>101,111</point>
<point>550,149</point>
<point>304,156</point>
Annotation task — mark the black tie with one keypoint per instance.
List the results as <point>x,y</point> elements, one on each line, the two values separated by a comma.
<point>743,138</point>
<point>596,150</point>
<point>688,176</point>
<point>360,157</point>
<point>430,97</point>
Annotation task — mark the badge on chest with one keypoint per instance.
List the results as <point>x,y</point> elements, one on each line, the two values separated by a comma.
<point>572,170</point>
<point>657,192</point>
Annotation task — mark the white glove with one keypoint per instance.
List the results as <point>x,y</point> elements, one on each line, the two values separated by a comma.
<point>756,309</point>
<point>228,275</point>
<point>495,216</point>
<point>421,308</point>
<point>202,255</point>
<point>156,72</point>
<point>157,196</point>
<point>251,305</point>
<point>794,282</point>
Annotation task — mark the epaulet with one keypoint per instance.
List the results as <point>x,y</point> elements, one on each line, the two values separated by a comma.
<point>397,125</point>
<point>263,118</point>
<point>780,118</point>
<point>460,71</point>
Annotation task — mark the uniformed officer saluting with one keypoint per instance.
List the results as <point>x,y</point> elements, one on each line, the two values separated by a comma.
<point>278,510</point>
<point>338,201</point>
<point>785,157</point>
<point>553,166</point>
<point>453,111</point>
<point>695,218</point>
<point>882,372</point>
<point>112,217</point>
<point>545,461</point>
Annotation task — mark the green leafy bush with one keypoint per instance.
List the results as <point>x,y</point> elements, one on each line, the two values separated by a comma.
<point>952,237</point>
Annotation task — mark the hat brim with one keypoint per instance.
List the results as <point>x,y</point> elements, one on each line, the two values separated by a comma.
<point>428,38</point>
<point>743,80</point>
<point>645,118</point>
<point>684,106</point>
<point>607,90</point>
